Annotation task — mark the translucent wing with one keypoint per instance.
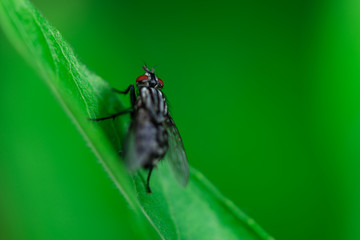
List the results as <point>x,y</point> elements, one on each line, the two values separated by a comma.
<point>176,154</point>
<point>132,162</point>
<point>140,141</point>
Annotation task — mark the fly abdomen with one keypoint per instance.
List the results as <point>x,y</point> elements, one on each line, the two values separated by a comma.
<point>151,140</point>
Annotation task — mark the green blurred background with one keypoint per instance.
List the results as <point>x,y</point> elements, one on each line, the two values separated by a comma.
<point>265,94</point>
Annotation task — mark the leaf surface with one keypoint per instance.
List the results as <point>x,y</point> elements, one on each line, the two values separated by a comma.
<point>198,211</point>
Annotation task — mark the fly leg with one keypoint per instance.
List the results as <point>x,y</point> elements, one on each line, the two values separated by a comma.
<point>130,89</point>
<point>148,190</point>
<point>112,116</point>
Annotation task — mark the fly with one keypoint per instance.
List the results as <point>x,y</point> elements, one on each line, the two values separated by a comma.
<point>152,133</point>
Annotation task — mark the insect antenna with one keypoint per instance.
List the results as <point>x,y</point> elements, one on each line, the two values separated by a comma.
<point>146,69</point>
<point>153,69</point>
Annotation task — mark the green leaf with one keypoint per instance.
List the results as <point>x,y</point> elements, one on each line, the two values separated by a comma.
<point>197,212</point>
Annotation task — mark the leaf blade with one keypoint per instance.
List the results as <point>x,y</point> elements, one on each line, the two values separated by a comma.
<point>82,94</point>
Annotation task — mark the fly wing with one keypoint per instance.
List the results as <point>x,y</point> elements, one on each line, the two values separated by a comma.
<point>132,162</point>
<point>176,154</point>
<point>140,141</point>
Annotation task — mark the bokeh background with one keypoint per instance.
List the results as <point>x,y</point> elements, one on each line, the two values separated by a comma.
<point>266,95</point>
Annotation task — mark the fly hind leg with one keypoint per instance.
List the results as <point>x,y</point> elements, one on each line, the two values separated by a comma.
<point>155,160</point>
<point>148,190</point>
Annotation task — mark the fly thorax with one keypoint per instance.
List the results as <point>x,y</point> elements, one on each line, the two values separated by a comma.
<point>153,100</point>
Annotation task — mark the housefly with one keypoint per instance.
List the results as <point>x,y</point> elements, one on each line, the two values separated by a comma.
<point>152,133</point>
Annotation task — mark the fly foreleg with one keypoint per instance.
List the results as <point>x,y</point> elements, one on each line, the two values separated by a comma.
<point>130,89</point>
<point>112,116</point>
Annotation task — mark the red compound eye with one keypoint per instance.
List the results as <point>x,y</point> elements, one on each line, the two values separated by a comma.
<point>161,82</point>
<point>142,78</point>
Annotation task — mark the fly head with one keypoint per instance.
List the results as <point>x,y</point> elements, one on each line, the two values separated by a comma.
<point>149,79</point>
